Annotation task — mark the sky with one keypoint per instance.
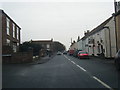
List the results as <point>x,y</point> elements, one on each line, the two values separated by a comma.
<point>57,19</point>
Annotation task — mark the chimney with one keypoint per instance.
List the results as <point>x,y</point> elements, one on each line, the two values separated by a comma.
<point>85,33</point>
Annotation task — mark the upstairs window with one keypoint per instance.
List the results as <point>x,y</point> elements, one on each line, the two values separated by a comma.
<point>17,33</point>
<point>13,30</point>
<point>8,26</point>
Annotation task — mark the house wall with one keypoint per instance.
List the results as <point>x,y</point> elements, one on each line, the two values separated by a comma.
<point>99,41</point>
<point>0,50</point>
<point>85,45</point>
<point>80,46</point>
<point>104,41</point>
<point>13,40</point>
<point>74,46</point>
<point>90,45</point>
<point>45,44</point>
<point>118,30</point>
<point>111,45</point>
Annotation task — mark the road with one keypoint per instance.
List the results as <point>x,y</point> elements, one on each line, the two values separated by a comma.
<point>62,71</point>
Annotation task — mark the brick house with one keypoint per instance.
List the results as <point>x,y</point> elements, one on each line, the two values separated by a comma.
<point>10,34</point>
<point>47,45</point>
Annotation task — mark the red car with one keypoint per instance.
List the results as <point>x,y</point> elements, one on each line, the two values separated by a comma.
<point>71,52</point>
<point>83,54</point>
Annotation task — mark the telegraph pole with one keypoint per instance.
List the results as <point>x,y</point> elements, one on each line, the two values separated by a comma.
<point>115,8</point>
<point>71,41</point>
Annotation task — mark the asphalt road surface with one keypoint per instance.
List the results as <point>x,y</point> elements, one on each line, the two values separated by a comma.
<point>62,71</point>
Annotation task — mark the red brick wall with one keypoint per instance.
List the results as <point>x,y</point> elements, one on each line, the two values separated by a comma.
<point>22,57</point>
<point>19,57</point>
<point>4,31</point>
<point>7,50</point>
<point>4,35</point>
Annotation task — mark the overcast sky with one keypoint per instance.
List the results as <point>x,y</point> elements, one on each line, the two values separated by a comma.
<point>57,19</point>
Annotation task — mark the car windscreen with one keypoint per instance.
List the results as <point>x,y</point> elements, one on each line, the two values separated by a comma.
<point>83,52</point>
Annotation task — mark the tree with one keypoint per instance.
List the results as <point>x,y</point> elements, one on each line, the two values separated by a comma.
<point>59,46</point>
<point>27,46</point>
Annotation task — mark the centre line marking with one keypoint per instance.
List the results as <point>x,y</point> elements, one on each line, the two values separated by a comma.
<point>73,62</point>
<point>104,84</point>
<point>81,68</point>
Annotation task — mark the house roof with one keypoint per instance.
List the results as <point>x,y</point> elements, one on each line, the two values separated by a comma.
<point>98,28</point>
<point>117,13</point>
<point>42,41</point>
<point>9,18</point>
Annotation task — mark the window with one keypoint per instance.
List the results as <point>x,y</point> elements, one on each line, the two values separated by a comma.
<point>14,30</point>
<point>8,26</point>
<point>17,44</point>
<point>8,42</point>
<point>14,47</point>
<point>17,33</point>
<point>48,46</point>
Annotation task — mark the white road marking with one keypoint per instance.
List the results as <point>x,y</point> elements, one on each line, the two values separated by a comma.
<point>104,84</point>
<point>73,62</point>
<point>66,57</point>
<point>81,68</point>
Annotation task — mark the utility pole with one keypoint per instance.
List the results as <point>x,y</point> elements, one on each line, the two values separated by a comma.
<point>71,41</point>
<point>115,8</point>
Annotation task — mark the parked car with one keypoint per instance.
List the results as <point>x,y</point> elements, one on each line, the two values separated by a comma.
<point>65,52</point>
<point>76,53</point>
<point>59,53</point>
<point>117,60</point>
<point>83,54</point>
<point>71,52</point>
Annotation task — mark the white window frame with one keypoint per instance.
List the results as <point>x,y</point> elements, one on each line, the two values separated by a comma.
<point>17,44</point>
<point>48,46</point>
<point>13,30</point>
<point>17,33</point>
<point>8,42</point>
<point>8,26</point>
<point>14,48</point>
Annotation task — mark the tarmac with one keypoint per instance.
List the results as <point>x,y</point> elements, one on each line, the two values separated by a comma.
<point>42,60</point>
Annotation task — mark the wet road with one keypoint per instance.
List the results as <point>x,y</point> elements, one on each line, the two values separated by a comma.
<point>62,71</point>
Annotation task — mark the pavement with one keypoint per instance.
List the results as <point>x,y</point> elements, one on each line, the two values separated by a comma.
<point>42,60</point>
<point>47,58</point>
<point>105,60</point>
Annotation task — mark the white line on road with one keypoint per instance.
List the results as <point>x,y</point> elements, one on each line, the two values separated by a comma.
<point>104,84</point>
<point>81,68</point>
<point>66,57</point>
<point>73,62</point>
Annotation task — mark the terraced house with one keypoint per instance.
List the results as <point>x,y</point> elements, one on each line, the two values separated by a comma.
<point>101,41</point>
<point>10,34</point>
<point>117,19</point>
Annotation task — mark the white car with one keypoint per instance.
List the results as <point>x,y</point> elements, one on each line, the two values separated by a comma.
<point>59,53</point>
